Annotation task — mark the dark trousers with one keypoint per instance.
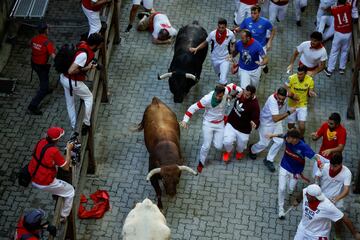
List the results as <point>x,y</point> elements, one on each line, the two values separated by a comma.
<point>42,70</point>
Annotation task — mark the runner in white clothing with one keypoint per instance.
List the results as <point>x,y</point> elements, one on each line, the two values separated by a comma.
<point>335,180</point>
<point>318,213</point>
<point>159,26</point>
<point>214,104</point>
<point>270,123</point>
<point>221,40</point>
<point>313,55</point>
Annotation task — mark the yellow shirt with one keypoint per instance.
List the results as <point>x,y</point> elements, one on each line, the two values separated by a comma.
<point>301,89</point>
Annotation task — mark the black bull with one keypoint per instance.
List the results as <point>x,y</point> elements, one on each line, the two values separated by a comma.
<point>185,68</point>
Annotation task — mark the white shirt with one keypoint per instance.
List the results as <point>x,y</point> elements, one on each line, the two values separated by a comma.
<point>318,223</point>
<point>211,114</point>
<point>80,59</point>
<point>270,108</point>
<point>311,57</point>
<point>161,21</point>
<point>332,187</point>
<point>220,51</point>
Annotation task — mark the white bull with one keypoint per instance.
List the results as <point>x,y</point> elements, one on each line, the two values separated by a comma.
<point>145,222</point>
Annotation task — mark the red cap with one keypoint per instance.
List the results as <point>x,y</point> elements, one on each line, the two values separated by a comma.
<point>55,133</point>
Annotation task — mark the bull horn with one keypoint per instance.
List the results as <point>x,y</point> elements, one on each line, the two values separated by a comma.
<point>165,75</point>
<point>189,75</point>
<point>152,172</point>
<point>186,168</point>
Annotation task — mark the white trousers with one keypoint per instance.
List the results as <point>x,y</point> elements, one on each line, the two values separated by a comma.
<point>232,135</point>
<point>286,179</point>
<point>221,68</point>
<point>265,8</point>
<point>213,133</point>
<point>249,77</point>
<point>79,89</point>
<point>93,20</point>
<point>243,12</point>
<point>237,5</point>
<point>63,189</point>
<point>301,235</point>
<point>340,44</point>
<point>264,141</point>
<point>277,11</point>
<point>298,4</point>
<point>326,26</point>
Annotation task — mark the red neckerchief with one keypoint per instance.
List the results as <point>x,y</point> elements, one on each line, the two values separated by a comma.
<point>314,204</point>
<point>251,41</point>
<point>319,47</point>
<point>333,173</point>
<point>279,104</point>
<point>220,37</point>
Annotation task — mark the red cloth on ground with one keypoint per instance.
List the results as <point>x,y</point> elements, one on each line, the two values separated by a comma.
<point>102,205</point>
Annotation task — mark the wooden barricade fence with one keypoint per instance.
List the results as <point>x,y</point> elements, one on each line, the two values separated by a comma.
<point>77,175</point>
<point>353,110</point>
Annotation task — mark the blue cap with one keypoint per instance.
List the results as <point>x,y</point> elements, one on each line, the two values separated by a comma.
<point>32,219</point>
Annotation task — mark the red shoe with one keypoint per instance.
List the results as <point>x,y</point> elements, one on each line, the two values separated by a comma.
<point>200,167</point>
<point>226,156</point>
<point>239,155</point>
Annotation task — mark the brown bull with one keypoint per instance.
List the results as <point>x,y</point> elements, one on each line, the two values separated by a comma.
<point>162,140</point>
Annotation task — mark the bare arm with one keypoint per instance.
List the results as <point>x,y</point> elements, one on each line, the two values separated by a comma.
<point>199,47</point>
<point>279,117</point>
<point>74,68</point>
<point>292,60</point>
<point>269,43</point>
<point>69,147</point>
<point>100,2</point>
<point>343,194</point>
<point>350,226</point>
<point>329,151</point>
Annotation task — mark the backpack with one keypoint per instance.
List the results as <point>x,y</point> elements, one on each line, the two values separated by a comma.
<point>24,177</point>
<point>65,57</point>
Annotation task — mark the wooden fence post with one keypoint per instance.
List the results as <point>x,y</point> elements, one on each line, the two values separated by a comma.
<point>354,88</point>
<point>91,151</point>
<point>115,21</point>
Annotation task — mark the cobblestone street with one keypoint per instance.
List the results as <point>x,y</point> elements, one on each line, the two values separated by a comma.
<point>233,201</point>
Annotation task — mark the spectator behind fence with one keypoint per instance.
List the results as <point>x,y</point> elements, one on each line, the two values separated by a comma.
<point>45,160</point>
<point>91,9</point>
<point>41,49</point>
<point>31,226</point>
<point>73,81</point>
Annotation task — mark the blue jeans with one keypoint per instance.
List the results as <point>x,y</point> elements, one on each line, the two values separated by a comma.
<point>42,71</point>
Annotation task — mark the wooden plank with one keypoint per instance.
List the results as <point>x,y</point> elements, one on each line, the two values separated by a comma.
<point>355,87</point>
<point>356,186</point>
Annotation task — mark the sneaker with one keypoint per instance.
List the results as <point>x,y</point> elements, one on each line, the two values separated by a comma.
<point>239,155</point>
<point>303,9</point>
<point>281,213</point>
<point>252,155</point>
<point>298,23</point>
<point>200,167</point>
<point>85,129</point>
<point>266,69</point>
<point>226,156</point>
<point>34,110</point>
<point>129,27</point>
<point>341,71</point>
<point>327,72</point>
<point>269,165</point>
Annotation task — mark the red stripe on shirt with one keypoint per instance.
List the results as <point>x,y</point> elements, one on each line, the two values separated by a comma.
<point>188,114</point>
<point>228,88</point>
<point>200,105</point>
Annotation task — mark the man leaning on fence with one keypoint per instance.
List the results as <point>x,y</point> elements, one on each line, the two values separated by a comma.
<point>41,49</point>
<point>43,168</point>
<point>73,80</point>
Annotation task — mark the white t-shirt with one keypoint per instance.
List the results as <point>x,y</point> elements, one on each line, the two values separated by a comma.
<point>332,187</point>
<point>161,21</point>
<point>311,57</point>
<point>318,223</point>
<point>220,52</point>
<point>270,108</point>
<point>80,59</point>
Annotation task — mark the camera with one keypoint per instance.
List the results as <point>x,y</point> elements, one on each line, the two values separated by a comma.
<point>98,66</point>
<point>76,151</point>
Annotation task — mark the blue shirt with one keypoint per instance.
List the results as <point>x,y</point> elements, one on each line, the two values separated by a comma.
<point>294,157</point>
<point>258,29</point>
<point>249,55</point>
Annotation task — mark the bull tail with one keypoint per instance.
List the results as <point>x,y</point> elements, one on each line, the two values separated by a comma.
<point>195,22</point>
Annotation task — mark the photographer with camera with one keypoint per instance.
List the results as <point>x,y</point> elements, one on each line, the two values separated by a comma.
<point>73,80</point>
<point>43,168</point>
<point>30,226</point>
